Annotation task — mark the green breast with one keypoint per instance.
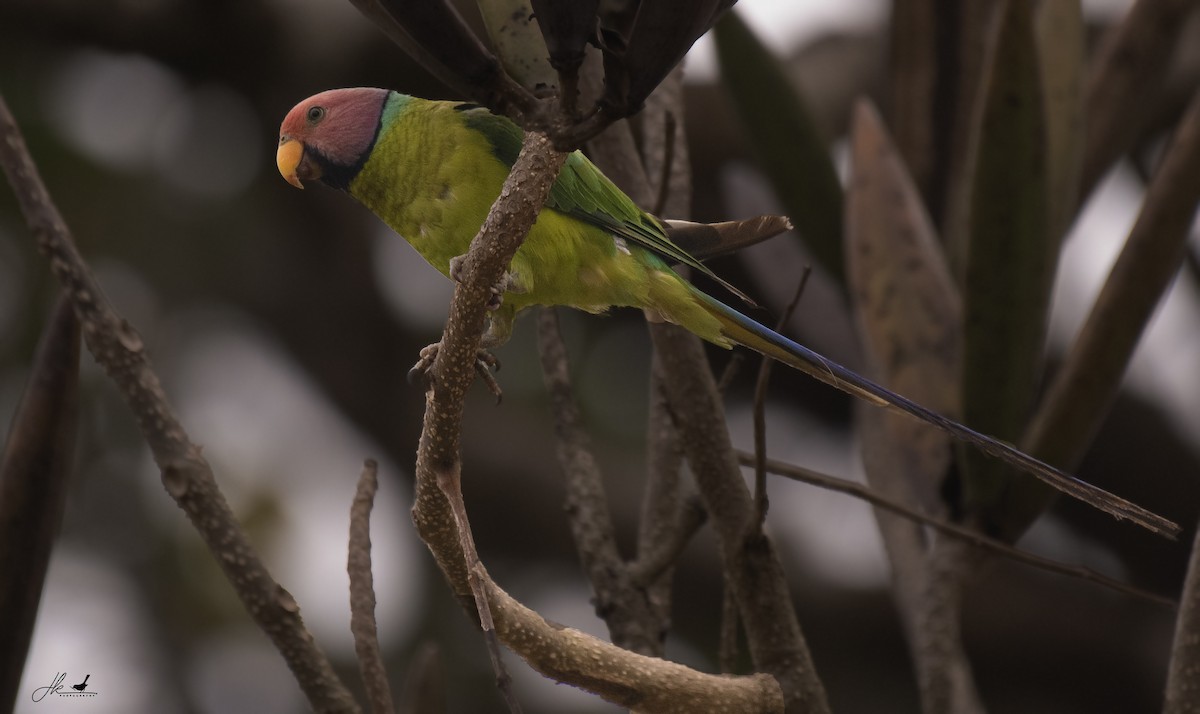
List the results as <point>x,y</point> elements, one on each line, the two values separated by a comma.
<point>432,178</point>
<point>429,178</point>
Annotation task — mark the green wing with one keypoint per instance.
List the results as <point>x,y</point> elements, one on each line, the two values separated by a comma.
<point>583,192</point>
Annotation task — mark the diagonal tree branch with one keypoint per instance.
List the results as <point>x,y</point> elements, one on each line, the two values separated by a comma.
<point>1129,70</point>
<point>1080,393</point>
<point>186,475</point>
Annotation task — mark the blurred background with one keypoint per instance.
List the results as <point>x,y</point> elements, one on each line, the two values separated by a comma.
<point>283,324</point>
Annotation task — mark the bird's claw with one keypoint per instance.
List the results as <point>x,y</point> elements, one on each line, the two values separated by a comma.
<point>485,364</point>
<point>420,370</point>
<point>506,283</point>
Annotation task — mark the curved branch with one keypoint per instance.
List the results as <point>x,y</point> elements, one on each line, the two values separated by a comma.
<point>567,655</point>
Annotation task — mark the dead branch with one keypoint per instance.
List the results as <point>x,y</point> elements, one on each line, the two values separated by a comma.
<point>362,594</point>
<point>972,536</point>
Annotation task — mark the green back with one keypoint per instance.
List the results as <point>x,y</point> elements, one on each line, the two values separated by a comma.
<point>585,193</point>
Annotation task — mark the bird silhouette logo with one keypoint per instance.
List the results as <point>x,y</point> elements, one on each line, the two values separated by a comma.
<point>59,687</point>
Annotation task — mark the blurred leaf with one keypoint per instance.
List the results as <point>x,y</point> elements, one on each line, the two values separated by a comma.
<point>566,27</point>
<point>910,316</point>
<point>425,681</point>
<point>33,488</point>
<point>913,75</point>
<point>1128,72</point>
<point>1060,44</point>
<point>966,64</point>
<point>789,147</point>
<point>908,312</point>
<point>705,241</point>
<point>433,33</point>
<point>1082,391</point>
<point>661,33</point>
<point>518,40</point>
<point>1010,256</point>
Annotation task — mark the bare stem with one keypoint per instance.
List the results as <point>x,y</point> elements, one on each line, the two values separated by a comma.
<point>968,535</point>
<point>362,594</point>
<point>760,409</point>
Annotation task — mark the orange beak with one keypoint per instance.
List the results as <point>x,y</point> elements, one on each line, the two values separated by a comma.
<point>288,158</point>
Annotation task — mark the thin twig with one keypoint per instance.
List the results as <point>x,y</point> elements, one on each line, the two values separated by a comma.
<point>760,409</point>
<point>362,594</point>
<point>727,649</point>
<point>624,609</point>
<point>875,498</point>
<point>186,475</point>
<point>732,367</point>
<point>657,557</point>
<point>668,162</point>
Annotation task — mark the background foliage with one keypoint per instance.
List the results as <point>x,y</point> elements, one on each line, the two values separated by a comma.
<point>284,325</point>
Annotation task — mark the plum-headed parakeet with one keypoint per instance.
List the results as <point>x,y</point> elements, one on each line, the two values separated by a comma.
<point>431,170</point>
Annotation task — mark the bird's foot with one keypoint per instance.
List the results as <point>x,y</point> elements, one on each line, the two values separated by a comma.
<point>506,283</point>
<point>485,363</point>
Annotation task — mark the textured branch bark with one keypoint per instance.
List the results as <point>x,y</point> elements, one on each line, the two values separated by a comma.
<point>752,566</point>
<point>943,670</point>
<point>186,475</point>
<point>626,678</point>
<point>362,594</point>
<point>618,601</point>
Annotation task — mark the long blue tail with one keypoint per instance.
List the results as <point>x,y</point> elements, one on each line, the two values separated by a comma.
<point>762,339</point>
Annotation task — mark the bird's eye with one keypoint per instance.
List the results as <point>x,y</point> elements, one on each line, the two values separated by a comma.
<point>315,114</point>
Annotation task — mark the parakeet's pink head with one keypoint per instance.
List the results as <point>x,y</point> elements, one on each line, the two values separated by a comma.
<point>329,135</point>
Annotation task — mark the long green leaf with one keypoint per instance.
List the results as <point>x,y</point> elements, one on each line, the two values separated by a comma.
<point>789,147</point>
<point>1010,256</point>
<point>913,76</point>
<point>1060,39</point>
